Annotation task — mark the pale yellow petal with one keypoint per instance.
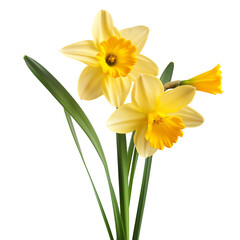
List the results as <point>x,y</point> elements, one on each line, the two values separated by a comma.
<point>138,36</point>
<point>189,116</point>
<point>133,76</point>
<point>103,27</point>
<point>84,51</point>
<point>145,92</point>
<point>89,83</point>
<point>144,65</point>
<point>142,145</point>
<point>174,100</point>
<point>127,118</point>
<point>116,89</point>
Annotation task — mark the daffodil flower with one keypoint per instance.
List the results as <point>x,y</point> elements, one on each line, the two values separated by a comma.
<point>158,117</point>
<point>209,81</point>
<point>113,59</point>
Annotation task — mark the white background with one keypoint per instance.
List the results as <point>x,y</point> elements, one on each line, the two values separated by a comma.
<point>45,192</point>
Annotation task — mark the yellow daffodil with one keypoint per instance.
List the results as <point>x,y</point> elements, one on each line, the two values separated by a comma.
<point>113,59</point>
<point>209,81</point>
<point>158,117</point>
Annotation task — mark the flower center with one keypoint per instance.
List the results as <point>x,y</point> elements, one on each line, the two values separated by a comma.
<point>163,130</point>
<point>111,60</point>
<point>117,56</point>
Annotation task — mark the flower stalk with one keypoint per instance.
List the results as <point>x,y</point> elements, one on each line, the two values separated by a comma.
<point>123,181</point>
<point>172,84</point>
<point>132,173</point>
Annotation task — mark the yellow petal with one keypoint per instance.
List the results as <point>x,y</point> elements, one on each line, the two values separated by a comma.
<point>84,51</point>
<point>116,89</point>
<point>89,84</point>
<point>103,27</point>
<point>145,92</point>
<point>189,116</point>
<point>138,36</point>
<point>144,65</point>
<point>142,145</point>
<point>174,100</point>
<point>127,118</point>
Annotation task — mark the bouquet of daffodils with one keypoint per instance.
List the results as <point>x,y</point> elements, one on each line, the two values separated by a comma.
<point>156,116</point>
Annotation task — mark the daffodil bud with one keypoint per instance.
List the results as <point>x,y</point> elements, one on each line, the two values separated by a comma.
<point>209,81</point>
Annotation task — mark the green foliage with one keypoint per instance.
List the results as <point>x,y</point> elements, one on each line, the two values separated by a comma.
<point>71,106</point>
<point>167,73</point>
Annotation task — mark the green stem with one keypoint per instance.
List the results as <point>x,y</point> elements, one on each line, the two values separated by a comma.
<point>123,180</point>
<point>130,151</point>
<point>142,198</point>
<point>134,164</point>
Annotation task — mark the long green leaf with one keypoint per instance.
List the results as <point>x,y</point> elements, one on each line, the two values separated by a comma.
<point>142,198</point>
<point>67,101</point>
<point>167,73</point>
<point>71,126</point>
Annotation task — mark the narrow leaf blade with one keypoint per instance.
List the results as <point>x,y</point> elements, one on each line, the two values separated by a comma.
<point>167,73</point>
<point>71,126</point>
<point>142,198</point>
<point>68,102</point>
